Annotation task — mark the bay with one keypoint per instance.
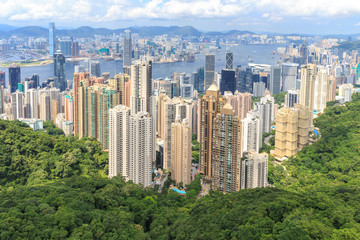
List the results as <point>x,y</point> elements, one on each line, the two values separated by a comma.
<point>261,54</point>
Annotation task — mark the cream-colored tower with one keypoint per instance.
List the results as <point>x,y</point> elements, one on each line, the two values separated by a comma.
<point>307,88</point>
<point>292,130</point>
<point>45,114</point>
<point>321,89</point>
<point>181,152</point>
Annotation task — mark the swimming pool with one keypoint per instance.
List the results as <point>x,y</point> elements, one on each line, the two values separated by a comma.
<point>179,191</point>
<point>316,132</point>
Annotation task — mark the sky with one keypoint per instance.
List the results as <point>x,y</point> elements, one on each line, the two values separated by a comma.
<point>281,16</point>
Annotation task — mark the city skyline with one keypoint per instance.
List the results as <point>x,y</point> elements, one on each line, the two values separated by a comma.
<point>303,16</point>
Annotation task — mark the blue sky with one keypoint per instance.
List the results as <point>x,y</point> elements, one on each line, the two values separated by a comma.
<point>283,16</point>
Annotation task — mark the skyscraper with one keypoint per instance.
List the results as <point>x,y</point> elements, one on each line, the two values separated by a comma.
<point>209,70</point>
<point>59,70</point>
<point>226,151</point>
<point>321,89</point>
<point>130,145</point>
<point>181,152</point>
<point>259,89</point>
<point>201,75</point>
<point>95,69</point>
<point>1,99</point>
<point>17,102</point>
<point>289,76</point>
<point>75,50</point>
<point>307,91</point>
<point>141,87</point>
<point>52,39</point>
<point>228,81</point>
<point>2,78</point>
<point>292,130</point>
<point>210,105</point>
<point>251,133</point>
<point>14,77</point>
<point>229,60</point>
<point>141,152</point>
<point>127,54</point>
<point>332,88</point>
<point>275,80</point>
<point>291,98</point>
<point>169,118</point>
<point>45,113</point>
<point>118,82</point>
<point>254,170</point>
<point>118,141</point>
<point>65,47</point>
<point>241,103</point>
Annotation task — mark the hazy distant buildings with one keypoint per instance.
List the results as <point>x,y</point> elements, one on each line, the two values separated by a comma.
<point>209,70</point>
<point>95,69</point>
<point>65,47</point>
<point>127,53</point>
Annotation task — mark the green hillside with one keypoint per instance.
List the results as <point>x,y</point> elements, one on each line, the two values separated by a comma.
<point>53,187</point>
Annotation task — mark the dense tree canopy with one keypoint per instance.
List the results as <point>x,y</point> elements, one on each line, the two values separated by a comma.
<point>55,187</point>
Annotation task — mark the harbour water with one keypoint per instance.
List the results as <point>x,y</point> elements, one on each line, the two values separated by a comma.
<point>261,54</point>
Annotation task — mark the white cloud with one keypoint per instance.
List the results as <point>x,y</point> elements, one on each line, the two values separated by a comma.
<point>113,10</point>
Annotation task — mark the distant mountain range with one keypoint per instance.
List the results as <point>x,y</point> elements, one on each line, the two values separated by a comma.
<point>85,31</point>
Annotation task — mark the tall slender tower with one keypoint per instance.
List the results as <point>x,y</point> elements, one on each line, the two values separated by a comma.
<point>226,151</point>
<point>321,89</point>
<point>127,54</point>
<point>59,70</point>
<point>118,141</point>
<point>210,105</point>
<point>181,152</point>
<point>229,60</point>
<point>141,87</point>
<point>52,39</point>
<point>45,113</point>
<point>307,87</point>
<point>141,152</point>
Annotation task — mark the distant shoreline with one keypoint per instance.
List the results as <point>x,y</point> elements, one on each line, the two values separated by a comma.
<point>27,64</point>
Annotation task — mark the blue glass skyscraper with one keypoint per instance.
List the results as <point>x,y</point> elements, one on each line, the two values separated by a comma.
<point>52,39</point>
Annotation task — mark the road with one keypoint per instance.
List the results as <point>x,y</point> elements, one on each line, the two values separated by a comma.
<point>267,139</point>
